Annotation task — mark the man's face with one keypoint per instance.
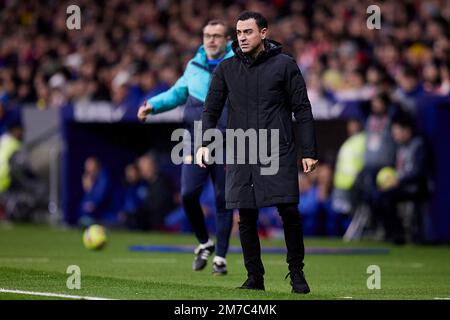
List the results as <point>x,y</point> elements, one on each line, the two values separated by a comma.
<point>92,166</point>
<point>249,36</point>
<point>353,127</point>
<point>378,106</point>
<point>147,166</point>
<point>400,134</point>
<point>119,93</point>
<point>214,40</point>
<point>132,174</point>
<point>407,83</point>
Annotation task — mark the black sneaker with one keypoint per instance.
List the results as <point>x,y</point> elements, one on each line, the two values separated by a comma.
<point>202,252</point>
<point>253,283</point>
<point>219,268</point>
<point>298,282</point>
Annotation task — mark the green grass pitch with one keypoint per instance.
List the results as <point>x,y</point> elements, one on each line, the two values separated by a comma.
<point>35,259</point>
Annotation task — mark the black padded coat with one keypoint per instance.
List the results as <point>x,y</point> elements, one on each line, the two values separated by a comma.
<point>263,94</point>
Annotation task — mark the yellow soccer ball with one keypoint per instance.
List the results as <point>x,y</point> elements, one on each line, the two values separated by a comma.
<point>386,178</point>
<point>94,237</point>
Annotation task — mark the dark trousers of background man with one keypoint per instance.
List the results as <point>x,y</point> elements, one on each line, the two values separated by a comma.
<point>193,179</point>
<point>384,206</point>
<point>293,235</point>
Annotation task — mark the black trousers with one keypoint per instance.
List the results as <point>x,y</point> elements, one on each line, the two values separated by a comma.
<point>293,236</point>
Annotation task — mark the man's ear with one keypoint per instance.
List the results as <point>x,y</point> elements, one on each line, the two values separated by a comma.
<point>263,32</point>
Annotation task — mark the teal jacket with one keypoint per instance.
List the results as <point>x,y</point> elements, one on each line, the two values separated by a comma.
<point>191,89</point>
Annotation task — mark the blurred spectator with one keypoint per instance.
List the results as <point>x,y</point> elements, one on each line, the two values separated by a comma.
<point>58,96</point>
<point>379,148</point>
<point>22,194</point>
<point>444,88</point>
<point>270,224</point>
<point>315,204</point>
<point>330,222</point>
<point>125,95</point>
<point>94,206</point>
<point>350,162</point>
<point>6,115</point>
<point>176,220</point>
<point>10,143</point>
<point>308,205</point>
<point>150,86</point>
<point>134,196</point>
<point>410,183</point>
<point>410,89</point>
<point>158,201</point>
<point>432,78</point>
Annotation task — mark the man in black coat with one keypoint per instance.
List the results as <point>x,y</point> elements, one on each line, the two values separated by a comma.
<point>263,87</point>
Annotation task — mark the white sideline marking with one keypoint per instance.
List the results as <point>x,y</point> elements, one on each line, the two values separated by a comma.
<point>49,294</point>
<point>437,298</point>
<point>344,297</point>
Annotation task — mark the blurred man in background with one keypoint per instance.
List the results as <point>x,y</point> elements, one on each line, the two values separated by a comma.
<point>350,162</point>
<point>157,200</point>
<point>10,143</point>
<point>133,198</point>
<point>97,192</point>
<point>410,183</point>
<point>379,146</point>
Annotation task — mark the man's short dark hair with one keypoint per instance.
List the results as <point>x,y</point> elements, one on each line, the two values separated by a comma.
<point>409,72</point>
<point>261,22</point>
<point>404,120</point>
<point>384,97</point>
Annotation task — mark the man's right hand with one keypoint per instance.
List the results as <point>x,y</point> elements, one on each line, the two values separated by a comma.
<point>202,156</point>
<point>144,110</point>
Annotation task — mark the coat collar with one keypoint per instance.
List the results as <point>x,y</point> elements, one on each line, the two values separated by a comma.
<point>271,48</point>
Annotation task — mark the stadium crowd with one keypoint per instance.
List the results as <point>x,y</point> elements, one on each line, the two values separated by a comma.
<point>129,51</point>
